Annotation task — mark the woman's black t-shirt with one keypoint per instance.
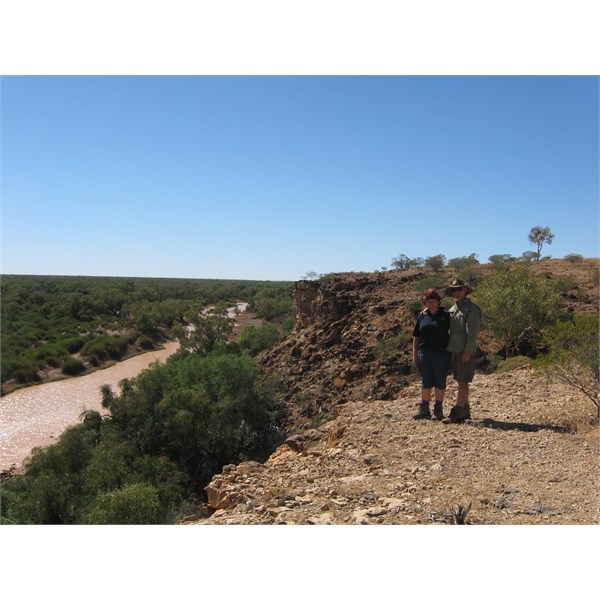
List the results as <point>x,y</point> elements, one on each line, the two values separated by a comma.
<point>433,331</point>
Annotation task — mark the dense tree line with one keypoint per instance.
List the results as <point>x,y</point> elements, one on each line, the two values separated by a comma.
<point>73,323</point>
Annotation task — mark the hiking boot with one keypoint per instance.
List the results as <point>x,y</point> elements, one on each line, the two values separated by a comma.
<point>424,412</point>
<point>438,413</point>
<point>458,414</point>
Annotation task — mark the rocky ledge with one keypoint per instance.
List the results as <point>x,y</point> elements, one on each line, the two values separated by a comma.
<point>528,456</point>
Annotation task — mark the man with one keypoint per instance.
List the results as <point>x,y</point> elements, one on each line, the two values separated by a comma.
<point>465,321</point>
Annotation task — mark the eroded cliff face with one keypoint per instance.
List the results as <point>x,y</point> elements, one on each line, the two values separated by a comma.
<point>336,352</point>
<point>353,335</point>
<point>322,302</point>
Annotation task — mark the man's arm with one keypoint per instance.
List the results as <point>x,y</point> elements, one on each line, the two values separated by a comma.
<point>473,324</point>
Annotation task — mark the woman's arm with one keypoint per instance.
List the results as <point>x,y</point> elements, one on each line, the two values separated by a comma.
<point>415,349</point>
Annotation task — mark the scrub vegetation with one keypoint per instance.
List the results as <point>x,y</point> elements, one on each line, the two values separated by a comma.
<point>168,431</point>
<point>56,326</point>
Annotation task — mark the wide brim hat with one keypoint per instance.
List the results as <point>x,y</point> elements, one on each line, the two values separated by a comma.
<point>458,284</point>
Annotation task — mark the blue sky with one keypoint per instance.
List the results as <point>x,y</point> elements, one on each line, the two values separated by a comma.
<point>271,177</point>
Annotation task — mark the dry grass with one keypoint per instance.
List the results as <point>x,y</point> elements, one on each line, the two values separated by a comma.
<point>457,515</point>
<point>575,415</point>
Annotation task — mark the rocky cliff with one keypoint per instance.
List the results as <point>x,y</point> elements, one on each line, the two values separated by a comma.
<point>354,455</point>
<point>337,352</point>
<point>353,335</point>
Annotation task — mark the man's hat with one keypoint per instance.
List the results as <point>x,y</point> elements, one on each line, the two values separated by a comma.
<point>458,284</point>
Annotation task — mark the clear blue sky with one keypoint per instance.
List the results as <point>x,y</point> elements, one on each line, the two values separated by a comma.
<point>271,177</point>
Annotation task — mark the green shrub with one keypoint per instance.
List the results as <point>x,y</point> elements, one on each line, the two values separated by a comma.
<point>460,262</point>
<point>574,258</point>
<point>256,339</point>
<point>437,281</point>
<point>436,262</point>
<point>390,345</point>
<point>135,504</point>
<point>169,431</point>
<point>573,357</point>
<point>500,262</point>
<point>288,325</point>
<point>404,262</point>
<point>472,274</point>
<point>146,343</point>
<point>104,348</point>
<point>73,366</point>
<point>414,307</point>
<point>564,285</point>
<point>28,331</point>
<point>207,333</point>
<point>512,363</point>
<point>49,352</point>
<point>53,362</point>
<point>72,344</point>
<point>26,373</point>
<point>273,304</point>
<point>516,304</point>
<point>50,491</point>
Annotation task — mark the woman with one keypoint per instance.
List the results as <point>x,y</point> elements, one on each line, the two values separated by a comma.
<point>430,340</point>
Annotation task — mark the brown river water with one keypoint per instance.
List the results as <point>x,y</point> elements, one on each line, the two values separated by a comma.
<point>37,415</point>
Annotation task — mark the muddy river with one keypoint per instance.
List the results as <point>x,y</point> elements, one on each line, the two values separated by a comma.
<point>37,415</point>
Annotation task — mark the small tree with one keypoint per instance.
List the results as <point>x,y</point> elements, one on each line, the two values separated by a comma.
<point>73,366</point>
<point>404,262</point>
<point>528,256</point>
<point>500,259</point>
<point>573,258</point>
<point>204,333</point>
<point>133,504</point>
<point>255,339</point>
<point>436,280</point>
<point>540,236</point>
<point>460,262</point>
<point>574,356</point>
<point>310,275</point>
<point>418,261</point>
<point>515,303</point>
<point>435,262</point>
<point>401,262</point>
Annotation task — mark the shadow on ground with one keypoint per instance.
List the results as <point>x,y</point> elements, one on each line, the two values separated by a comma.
<point>509,426</point>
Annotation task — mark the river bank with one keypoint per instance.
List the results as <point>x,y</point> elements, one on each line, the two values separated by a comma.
<point>238,313</point>
<point>37,415</point>
<point>50,375</point>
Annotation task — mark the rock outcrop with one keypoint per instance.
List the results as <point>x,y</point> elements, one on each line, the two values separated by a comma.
<point>528,456</point>
<point>332,357</point>
<point>354,455</point>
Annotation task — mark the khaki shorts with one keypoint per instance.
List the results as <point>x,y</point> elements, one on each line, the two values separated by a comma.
<point>463,371</point>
